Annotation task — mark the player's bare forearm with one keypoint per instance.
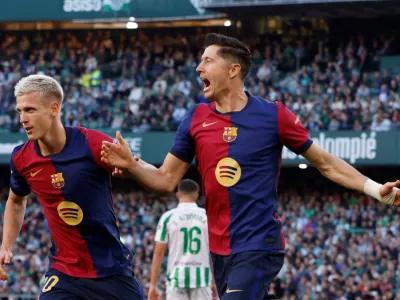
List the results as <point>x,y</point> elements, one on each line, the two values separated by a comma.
<point>335,168</point>
<point>344,174</point>
<point>156,264</point>
<point>152,179</point>
<point>163,180</point>
<point>13,219</point>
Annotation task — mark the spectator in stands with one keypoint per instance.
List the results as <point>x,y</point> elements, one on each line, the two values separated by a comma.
<point>119,71</point>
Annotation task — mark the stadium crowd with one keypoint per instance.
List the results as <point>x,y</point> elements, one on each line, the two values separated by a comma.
<point>137,82</point>
<point>340,246</point>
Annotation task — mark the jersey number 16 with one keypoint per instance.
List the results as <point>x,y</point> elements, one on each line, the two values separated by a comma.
<point>191,243</point>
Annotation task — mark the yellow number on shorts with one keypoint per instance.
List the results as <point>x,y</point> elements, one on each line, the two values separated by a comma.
<point>50,283</point>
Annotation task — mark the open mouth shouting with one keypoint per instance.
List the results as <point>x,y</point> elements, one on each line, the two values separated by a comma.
<point>207,84</point>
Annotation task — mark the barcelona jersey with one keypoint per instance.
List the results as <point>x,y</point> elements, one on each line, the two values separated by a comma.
<point>74,188</point>
<point>239,158</point>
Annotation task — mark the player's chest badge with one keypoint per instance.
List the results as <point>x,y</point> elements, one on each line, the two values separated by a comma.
<point>230,134</point>
<point>57,180</point>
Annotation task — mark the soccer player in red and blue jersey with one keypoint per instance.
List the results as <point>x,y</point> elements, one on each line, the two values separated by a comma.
<point>237,140</point>
<point>62,166</point>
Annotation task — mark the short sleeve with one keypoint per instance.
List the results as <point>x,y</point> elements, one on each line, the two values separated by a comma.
<point>292,133</point>
<point>183,146</point>
<point>18,183</point>
<point>95,139</point>
<point>162,228</point>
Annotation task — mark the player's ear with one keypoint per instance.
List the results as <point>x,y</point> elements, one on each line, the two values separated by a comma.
<point>178,195</point>
<point>55,108</point>
<point>234,70</point>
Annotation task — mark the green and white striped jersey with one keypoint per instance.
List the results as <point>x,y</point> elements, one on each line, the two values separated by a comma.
<point>185,231</point>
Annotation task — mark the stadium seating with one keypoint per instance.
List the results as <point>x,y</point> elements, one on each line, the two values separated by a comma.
<point>134,83</point>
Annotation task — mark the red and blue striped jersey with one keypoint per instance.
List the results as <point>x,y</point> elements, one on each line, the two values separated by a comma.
<point>74,188</point>
<point>239,158</point>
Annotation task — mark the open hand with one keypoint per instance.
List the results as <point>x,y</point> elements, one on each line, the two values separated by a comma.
<point>118,155</point>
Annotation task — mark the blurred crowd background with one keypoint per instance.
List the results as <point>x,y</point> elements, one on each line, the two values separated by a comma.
<point>147,82</point>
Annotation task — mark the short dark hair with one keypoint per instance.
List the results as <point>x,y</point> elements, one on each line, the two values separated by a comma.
<point>231,49</point>
<point>188,186</point>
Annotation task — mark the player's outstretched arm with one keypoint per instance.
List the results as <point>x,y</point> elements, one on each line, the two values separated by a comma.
<point>158,257</point>
<point>13,220</point>
<point>161,181</point>
<point>344,174</point>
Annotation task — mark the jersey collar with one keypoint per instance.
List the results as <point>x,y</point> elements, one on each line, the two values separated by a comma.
<point>249,101</point>
<point>68,132</point>
<point>187,205</point>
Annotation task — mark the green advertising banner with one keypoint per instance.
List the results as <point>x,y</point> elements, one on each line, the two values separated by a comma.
<point>57,10</point>
<point>357,148</point>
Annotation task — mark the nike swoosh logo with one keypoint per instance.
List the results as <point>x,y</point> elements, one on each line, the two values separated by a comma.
<point>209,124</point>
<point>34,174</point>
<point>232,291</point>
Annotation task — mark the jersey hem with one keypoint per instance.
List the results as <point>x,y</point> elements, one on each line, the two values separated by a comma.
<point>184,287</point>
<point>161,242</point>
<point>109,274</point>
<point>250,247</point>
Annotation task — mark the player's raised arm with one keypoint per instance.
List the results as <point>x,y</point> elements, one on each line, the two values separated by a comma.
<point>294,136</point>
<point>162,181</point>
<point>344,174</point>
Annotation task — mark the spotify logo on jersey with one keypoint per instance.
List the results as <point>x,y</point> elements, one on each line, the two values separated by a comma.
<point>70,213</point>
<point>228,172</point>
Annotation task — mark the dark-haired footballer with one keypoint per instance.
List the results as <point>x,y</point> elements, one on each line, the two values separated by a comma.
<point>237,140</point>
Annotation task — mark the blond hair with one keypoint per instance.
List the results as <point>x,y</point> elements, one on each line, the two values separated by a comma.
<point>43,84</point>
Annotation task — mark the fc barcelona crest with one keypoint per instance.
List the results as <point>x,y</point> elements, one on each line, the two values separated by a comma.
<point>57,180</point>
<point>230,134</point>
